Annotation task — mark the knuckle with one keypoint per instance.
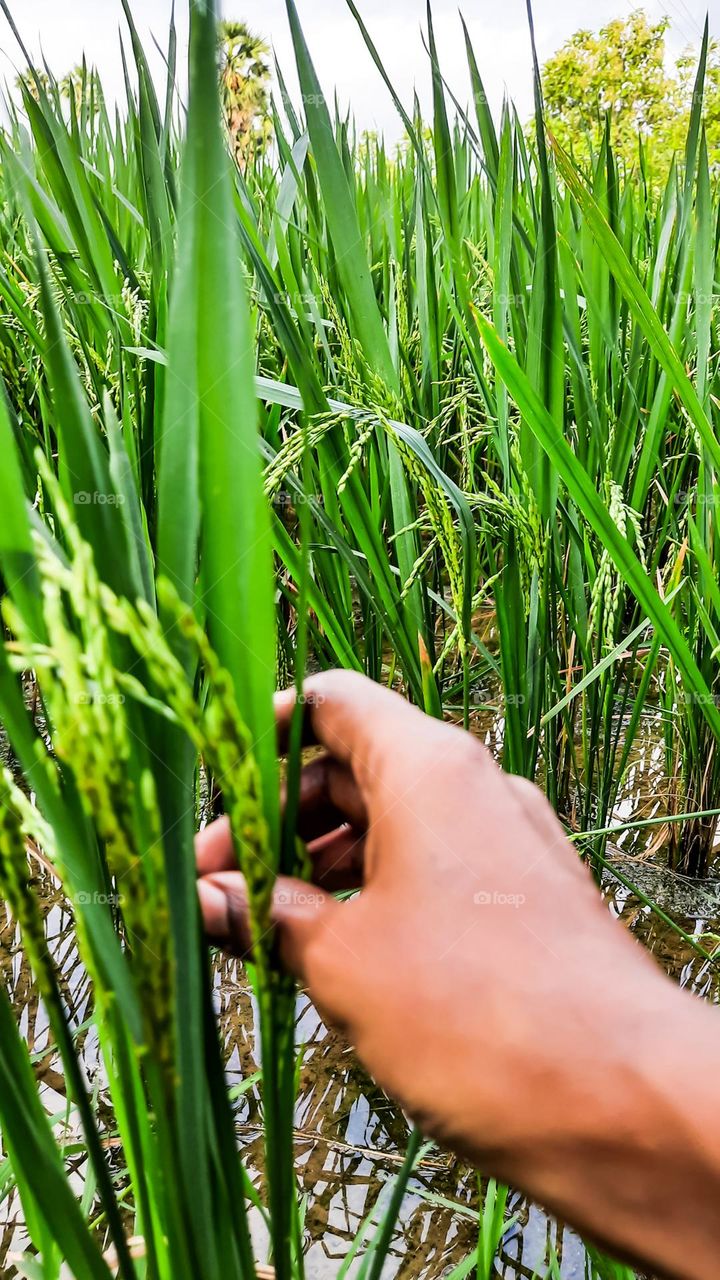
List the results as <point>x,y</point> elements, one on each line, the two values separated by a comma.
<point>529,793</point>
<point>467,754</point>
<point>534,803</point>
<point>335,681</point>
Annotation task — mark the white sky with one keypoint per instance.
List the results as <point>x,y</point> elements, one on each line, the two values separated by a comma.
<point>66,28</point>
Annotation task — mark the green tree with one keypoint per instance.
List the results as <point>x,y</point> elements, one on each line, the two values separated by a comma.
<point>81,85</point>
<point>621,73</point>
<point>244,82</point>
<point>27,81</point>
<point>686,68</point>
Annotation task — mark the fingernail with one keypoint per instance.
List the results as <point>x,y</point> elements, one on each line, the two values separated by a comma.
<point>215,910</point>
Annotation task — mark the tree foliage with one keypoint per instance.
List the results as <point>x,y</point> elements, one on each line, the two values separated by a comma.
<point>244,74</point>
<point>244,84</point>
<point>621,74</point>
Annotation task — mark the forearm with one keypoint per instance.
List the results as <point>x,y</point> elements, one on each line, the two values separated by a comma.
<point>632,1154</point>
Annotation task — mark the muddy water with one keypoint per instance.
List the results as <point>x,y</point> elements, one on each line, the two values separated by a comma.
<point>349,1137</point>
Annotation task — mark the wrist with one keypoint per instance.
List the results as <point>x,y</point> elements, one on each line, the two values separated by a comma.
<point>627,1146</point>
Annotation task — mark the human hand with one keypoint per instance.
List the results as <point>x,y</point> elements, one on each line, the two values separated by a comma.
<point>477,973</point>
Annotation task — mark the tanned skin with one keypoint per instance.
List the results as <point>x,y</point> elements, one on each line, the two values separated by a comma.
<point>484,984</point>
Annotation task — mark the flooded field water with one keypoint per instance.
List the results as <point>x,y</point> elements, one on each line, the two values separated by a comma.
<point>349,1137</point>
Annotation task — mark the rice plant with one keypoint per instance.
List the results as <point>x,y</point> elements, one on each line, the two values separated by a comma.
<point>446,416</point>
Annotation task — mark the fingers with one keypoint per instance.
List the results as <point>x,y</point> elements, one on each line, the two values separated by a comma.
<point>338,857</point>
<point>329,798</point>
<point>339,860</point>
<point>360,723</point>
<point>299,911</point>
<point>330,803</point>
<point>224,908</point>
<point>316,936</point>
<point>214,848</point>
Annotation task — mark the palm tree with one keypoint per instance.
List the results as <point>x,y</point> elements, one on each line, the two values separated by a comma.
<point>26,80</point>
<point>81,86</point>
<point>244,83</point>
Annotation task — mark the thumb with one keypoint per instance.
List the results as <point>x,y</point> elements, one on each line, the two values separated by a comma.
<point>300,912</point>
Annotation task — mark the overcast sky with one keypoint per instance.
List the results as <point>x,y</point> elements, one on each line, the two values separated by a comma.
<point>66,28</point>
